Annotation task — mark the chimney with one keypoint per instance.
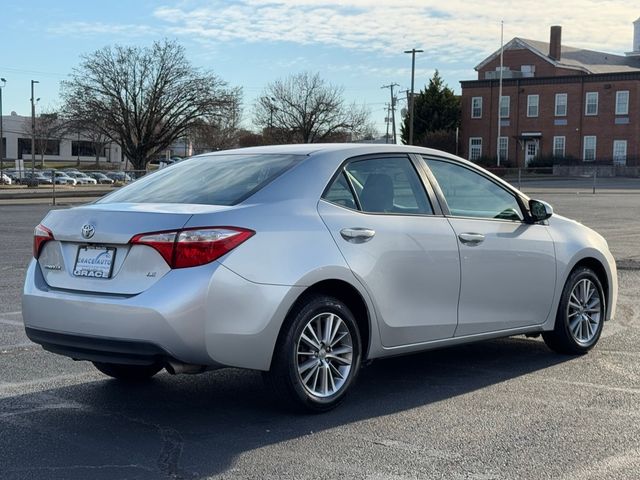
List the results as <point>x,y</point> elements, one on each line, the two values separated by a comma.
<point>555,42</point>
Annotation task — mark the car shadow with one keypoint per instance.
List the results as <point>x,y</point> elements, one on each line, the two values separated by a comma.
<point>197,426</point>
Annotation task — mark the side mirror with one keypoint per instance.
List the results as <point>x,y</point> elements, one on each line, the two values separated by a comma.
<point>540,210</point>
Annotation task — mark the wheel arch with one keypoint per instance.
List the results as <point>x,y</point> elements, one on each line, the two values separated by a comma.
<point>350,296</point>
<point>599,269</point>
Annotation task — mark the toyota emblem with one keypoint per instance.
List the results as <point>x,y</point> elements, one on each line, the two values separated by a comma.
<point>88,230</point>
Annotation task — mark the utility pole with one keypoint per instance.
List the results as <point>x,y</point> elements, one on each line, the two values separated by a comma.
<point>393,109</point>
<point>3,82</point>
<point>500,92</point>
<point>413,52</point>
<point>386,119</point>
<point>33,131</point>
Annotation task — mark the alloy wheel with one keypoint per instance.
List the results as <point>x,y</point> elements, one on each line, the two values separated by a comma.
<point>584,311</point>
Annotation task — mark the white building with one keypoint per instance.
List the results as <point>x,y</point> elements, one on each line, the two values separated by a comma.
<point>66,147</point>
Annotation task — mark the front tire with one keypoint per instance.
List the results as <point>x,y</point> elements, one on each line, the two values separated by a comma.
<point>580,316</point>
<point>128,373</point>
<point>318,355</point>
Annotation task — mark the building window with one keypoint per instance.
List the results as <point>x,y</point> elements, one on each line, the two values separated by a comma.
<point>84,148</point>
<point>591,105</point>
<point>475,148</point>
<point>505,102</point>
<point>622,102</point>
<point>503,148</point>
<point>561,104</point>
<point>559,146</point>
<point>533,102</point>
<point>476,107</point>
<point>528,70</point>
<point>619,152</point>
<point>589,149</point>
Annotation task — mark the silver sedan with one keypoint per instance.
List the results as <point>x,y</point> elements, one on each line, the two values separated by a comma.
<point>304,261</point>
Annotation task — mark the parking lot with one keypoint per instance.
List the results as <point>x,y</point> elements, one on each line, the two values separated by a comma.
<point>504,409</point>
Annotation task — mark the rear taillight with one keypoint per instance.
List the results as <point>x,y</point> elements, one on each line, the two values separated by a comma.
<point>193,247</point>
<point>41,235</point>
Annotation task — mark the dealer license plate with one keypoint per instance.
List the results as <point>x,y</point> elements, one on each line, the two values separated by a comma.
<point>94,262</point>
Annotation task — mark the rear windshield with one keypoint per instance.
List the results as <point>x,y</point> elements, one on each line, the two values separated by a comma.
<point>209,180</point>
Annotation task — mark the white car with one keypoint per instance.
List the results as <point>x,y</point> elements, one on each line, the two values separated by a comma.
<point>61,178</point>
<point>304,261</point>
<point>82,178</point>
<point>6,179</point>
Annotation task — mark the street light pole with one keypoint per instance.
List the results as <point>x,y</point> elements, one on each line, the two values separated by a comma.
<point>3,82</point>
<point>33,130</point>
<point>413,52</point>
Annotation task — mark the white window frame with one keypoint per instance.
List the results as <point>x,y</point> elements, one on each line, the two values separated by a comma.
<point>473,107</point>
<point>556,140</point>
<point>589,138</point>
<point>531,105</point>
<point>625,110</point>
<point>559,104</point>
<point>506,99</point>
<point>621,159</point>
<point>472,147</point>
<point>503,147</point>
<point>586,103</point>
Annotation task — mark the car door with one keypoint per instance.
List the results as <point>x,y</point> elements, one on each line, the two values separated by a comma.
<point>508,266</point>
<point>404,254</point>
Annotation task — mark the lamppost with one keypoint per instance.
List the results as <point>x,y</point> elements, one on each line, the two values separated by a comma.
<point>33,130</point>
<point>3,82</point>
<point>413,52</point>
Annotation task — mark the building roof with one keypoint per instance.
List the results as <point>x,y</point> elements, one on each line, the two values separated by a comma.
<point>587,61</point>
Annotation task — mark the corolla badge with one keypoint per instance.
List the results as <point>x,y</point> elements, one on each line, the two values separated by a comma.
<point>88,230</point>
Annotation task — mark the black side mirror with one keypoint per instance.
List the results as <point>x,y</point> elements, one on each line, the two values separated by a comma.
<point>540,210</point>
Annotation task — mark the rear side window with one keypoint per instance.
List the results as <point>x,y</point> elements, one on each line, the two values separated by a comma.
<point>210,180</point>
<point>382,185</point>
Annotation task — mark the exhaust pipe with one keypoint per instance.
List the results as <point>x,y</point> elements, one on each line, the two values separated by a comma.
<point>176,368</point>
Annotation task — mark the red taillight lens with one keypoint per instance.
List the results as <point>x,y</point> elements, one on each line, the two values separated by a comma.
<point>41,235</point>
<point>193,247</point>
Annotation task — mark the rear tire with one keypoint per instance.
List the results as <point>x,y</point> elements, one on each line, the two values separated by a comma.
<point>580,315</point>
<point>317,356</point>
<point>129,373</point>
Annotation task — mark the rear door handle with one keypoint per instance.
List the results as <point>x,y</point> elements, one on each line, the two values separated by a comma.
<point>357,234</point>
<point>471,239</point>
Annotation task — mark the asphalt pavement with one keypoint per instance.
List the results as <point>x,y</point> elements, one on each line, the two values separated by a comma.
<point>505,409</point>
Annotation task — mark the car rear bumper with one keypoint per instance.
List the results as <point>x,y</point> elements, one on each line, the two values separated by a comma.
<point>204,316</point>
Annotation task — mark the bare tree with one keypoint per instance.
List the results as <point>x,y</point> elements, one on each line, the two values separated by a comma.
<point>146,97</point>
<point>219,132</point>
<point>304,108</point>
<point>49,129</point>
<point>89,129</point>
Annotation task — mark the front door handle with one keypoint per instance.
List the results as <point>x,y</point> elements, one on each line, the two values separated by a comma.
<point>357,234</point>
<point>471,239</point>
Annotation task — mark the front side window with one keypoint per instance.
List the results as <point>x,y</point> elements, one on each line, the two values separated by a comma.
<point>388,185</point>
<point>504,106</point>
<point>208,180</point>
<point>533,103</point>
<point>475,148</point>
<point>476,107</point>
<point>561,104</point>
<point>559,146</point>
<point>591,103</point>
<point>589,151</point>
<point>469,194</point>
<point>622,102</point>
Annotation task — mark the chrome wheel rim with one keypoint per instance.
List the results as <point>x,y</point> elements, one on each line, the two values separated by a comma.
<point>584,312</point>
<point>324,355</point>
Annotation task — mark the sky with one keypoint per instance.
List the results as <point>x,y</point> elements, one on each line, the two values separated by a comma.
<point>355,44</point>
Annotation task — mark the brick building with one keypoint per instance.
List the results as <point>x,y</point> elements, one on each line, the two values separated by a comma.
<point>556,100</point>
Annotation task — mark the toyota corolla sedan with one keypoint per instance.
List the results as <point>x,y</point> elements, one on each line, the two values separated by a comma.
<point>304,261</point>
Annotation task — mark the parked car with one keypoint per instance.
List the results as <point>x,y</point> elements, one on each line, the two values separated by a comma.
<point>61,178</point>
<point>82,179</point>
<point>5,179</point>
<point>38,176</point>
<point>100,177</point>
<point>306,261</point>
<point>119,176</point>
